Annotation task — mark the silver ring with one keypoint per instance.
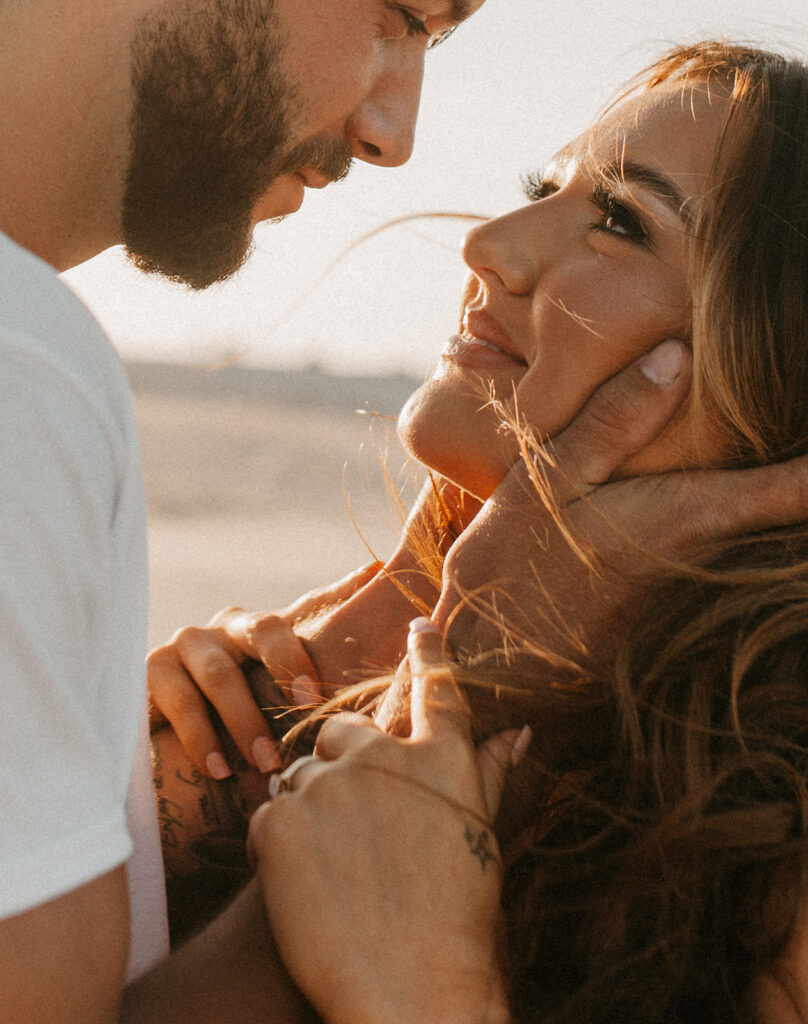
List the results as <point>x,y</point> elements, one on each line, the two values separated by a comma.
<point>282,783</point>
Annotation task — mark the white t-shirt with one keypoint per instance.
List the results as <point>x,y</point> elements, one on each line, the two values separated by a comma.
<point>73,610</point>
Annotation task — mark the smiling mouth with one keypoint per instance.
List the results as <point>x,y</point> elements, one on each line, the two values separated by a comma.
<point>475,353</point>
<point>474,340</point>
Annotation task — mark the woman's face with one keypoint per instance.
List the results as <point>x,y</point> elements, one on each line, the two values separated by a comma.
<point>567,290</point>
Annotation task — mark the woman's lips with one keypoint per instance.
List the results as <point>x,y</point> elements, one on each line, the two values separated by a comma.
<point>479,354</point>
<point>482,343</point>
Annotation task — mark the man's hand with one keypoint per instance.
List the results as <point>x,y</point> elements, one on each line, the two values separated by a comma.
<point>561,566</point>
<point>380,869</point>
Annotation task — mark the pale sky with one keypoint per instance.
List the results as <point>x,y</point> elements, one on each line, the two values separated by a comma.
<point>512,86</point>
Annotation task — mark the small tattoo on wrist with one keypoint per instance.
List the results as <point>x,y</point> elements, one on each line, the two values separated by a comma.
<point>479,844</point>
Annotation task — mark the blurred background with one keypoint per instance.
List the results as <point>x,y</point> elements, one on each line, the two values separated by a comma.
<point>257,488</point>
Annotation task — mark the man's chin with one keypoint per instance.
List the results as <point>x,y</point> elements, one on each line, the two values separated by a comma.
<point>197,257</point>
<point>195,274</point>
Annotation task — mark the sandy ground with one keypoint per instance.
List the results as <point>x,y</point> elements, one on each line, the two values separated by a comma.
<point>259,483</point>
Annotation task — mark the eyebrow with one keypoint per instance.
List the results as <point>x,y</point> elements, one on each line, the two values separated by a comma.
<point>459,10</point>
<point>662,186</point>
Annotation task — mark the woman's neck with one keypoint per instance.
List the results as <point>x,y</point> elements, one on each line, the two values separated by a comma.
<point>366,635</point>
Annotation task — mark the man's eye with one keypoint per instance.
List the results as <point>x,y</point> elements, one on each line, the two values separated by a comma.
<point>415,27</point>
<point>440,37</point>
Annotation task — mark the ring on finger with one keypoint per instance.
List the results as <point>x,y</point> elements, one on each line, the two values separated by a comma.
<point>282,783</point>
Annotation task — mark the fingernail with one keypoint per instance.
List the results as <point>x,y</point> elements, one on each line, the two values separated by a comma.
<point>304,690</point>
<point>423,625</point>
<point>265,755</point>
<point>217,767</point>
<point>521,743</point>
<point>663,364</point>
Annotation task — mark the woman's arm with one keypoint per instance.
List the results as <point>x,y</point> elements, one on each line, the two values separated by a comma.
<point>408,895</point>
<point>203,826</point>
<point>353,630</point>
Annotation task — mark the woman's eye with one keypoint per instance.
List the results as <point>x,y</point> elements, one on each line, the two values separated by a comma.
<point>617,218</point>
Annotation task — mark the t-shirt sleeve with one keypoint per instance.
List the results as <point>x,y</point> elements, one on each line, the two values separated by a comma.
<point>63,787</point>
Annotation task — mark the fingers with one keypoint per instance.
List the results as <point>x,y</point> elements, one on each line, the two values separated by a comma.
<point>200,665</point>
<point>731,503</point>
<point>624,415</point>
<point>437,705</point>
<point>270,640</point>
<point>316,600</point>
<point>621,418</point>
<point>343,733</point>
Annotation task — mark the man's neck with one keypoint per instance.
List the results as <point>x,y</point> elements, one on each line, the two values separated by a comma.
<point>64,98</point>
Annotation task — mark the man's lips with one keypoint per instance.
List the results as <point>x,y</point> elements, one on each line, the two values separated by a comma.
<point>312,178</point>
<point>286,193</point>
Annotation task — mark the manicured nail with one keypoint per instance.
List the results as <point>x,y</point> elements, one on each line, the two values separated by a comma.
<point>423,625</point>
<point>304,690</point>
<point>217,767</point>
<point>522,742</point>
<point>265,755</point>
<point>663,364</point>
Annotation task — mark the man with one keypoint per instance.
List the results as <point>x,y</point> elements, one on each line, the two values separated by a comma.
<point>173,127</point>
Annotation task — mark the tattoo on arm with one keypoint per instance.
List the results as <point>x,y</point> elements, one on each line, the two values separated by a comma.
<point>203,821</point>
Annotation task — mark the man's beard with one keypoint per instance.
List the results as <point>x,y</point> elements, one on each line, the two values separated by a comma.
<point>210,132</point>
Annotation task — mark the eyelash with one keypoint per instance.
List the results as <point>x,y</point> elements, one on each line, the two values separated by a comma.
<point>416,28</point>
<point>619,214</point>
<point>615,215</point>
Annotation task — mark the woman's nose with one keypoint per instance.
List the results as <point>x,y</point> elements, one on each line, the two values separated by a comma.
<point>505,249</point>
<point>382,128</point>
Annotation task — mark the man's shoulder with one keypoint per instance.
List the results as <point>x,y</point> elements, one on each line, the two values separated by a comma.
<point>46,327</point>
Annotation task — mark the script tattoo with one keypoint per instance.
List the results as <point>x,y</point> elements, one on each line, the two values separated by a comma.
<point>479,846</point>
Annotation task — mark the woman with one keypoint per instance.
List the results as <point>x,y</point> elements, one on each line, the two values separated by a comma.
<point>655,840</point>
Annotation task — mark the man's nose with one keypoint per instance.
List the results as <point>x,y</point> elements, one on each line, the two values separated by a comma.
<point>382,128</point>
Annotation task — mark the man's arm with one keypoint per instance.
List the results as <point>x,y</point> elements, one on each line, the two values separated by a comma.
<point>64,962</point>
<point>230,972</point>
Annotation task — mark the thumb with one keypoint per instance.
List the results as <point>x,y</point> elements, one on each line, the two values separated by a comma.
<point>494,757</point>
<point>624,415</point>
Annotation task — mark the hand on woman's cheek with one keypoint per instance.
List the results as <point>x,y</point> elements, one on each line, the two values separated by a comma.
<point>515,563</point>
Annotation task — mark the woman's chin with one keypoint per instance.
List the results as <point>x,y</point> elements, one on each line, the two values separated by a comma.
<point>478,480</point>
<point>458,443</point>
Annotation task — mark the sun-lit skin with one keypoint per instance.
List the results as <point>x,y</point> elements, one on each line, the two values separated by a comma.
<point>569,289</point>
<point>67,71</point>
<point>368,91</point>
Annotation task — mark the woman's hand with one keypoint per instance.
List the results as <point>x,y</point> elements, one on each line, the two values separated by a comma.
<point>208,664</point>
<point>379,866</point>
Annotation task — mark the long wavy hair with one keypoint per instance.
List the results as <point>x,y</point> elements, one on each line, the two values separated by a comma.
<point>659,863</point>
<point>655,862</point>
